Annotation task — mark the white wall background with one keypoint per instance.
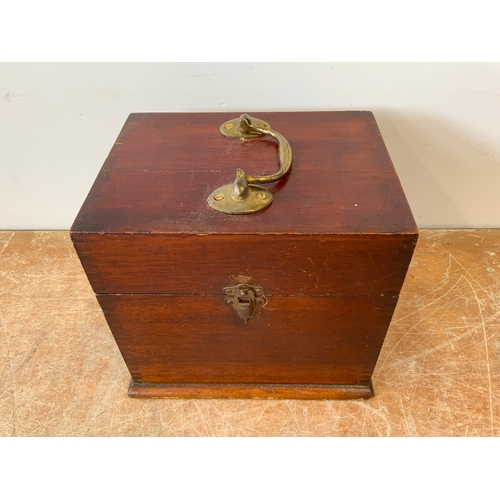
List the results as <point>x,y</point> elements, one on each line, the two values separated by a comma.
<point>440,122</point>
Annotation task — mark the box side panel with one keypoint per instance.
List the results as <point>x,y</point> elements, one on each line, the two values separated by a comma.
<point>293,340</point>
<point>282,265</point>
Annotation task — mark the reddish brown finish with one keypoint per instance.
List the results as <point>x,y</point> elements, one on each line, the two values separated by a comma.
<point>331,253</point>
<point>163,167</point>
<point>250,391</point>
<point>294,339</point>
<point>282,264</point>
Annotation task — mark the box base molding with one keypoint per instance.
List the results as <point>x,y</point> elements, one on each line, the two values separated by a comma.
<point>250,391</point>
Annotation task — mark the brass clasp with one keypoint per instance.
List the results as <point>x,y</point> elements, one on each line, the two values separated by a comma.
<point>245,300</point>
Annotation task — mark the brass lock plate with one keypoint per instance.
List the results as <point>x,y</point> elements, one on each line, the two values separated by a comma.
<point>245,299</point>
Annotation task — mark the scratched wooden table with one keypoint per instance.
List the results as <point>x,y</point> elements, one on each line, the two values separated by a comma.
<point>438,374</point>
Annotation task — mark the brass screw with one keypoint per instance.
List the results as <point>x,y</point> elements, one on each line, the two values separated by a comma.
<point>262,196</point>
<point>218,197</point>
<point>228,126</point>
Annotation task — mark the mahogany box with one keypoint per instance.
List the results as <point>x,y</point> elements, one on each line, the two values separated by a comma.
<point>292,300</point>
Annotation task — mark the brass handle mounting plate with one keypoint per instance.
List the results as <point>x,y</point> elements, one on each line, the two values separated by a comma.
<point>244,195</point>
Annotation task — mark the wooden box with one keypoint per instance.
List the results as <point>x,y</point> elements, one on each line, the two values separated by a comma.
<point>324,263</point>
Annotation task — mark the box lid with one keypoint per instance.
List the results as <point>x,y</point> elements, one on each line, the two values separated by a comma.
<point>163,166</point>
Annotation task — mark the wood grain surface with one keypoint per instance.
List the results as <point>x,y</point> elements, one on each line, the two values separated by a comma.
<point>163,166</point>
<point>250,391</point>
<point>293,340</point>
<point>282,264</point>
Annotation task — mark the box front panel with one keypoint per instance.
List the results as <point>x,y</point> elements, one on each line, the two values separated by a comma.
<point>362,264</point>
<point>293,340</point>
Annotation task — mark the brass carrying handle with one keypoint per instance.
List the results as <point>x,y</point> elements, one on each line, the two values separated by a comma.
<point>244,196</point>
